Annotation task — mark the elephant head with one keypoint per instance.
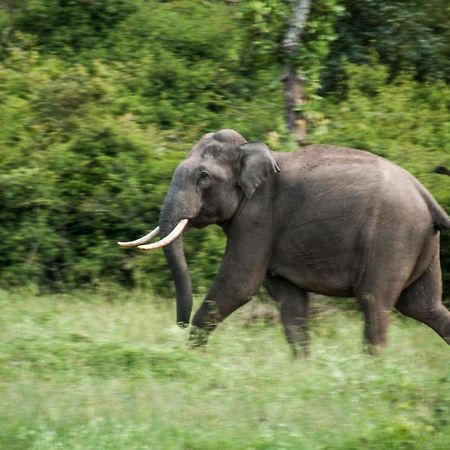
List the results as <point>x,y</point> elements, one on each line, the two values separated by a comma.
<point>221,171</point>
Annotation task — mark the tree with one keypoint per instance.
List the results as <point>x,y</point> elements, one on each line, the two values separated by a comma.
<point>293,81</point>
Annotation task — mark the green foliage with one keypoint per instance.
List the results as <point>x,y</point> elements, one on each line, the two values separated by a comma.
<point>264,24</point>
<point>111,371</point>
<point>100,100</point>
<point>66,27</point>
<point>408,35</point>
<point>72,170</point>
<point>94,121</point>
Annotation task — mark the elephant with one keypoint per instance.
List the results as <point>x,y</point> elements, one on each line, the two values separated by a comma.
<point>324,219</point>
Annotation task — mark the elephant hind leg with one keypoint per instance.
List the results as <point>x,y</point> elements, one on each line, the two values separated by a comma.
<point>422,301</point>
<point>376,310</point>
<point>294,306</point>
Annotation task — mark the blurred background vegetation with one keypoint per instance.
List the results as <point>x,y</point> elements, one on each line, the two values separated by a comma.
<point>99,100</point>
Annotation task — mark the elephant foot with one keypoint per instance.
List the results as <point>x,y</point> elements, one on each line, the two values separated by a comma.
<point>374,349</point>
<point>300,351</point>
<point>198,338</point>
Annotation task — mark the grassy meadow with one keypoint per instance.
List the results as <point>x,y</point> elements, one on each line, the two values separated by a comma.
<point>110,370</point>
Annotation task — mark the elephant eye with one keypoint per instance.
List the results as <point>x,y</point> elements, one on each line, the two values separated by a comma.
<point>204,179</point>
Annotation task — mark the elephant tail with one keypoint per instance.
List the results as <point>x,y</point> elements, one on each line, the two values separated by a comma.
<point>442,170</point>
<point>440,217</point>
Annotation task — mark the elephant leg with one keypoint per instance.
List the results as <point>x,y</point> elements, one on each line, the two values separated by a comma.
<point>376,312</point>
<point>241,274</point>
<point>377,298</point>
<point>422,301</point>
<point>386,272</point>
<point>294,306</point>
<point>212,311</point>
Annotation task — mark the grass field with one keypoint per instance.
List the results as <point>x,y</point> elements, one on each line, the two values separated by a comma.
<point>111,371</point>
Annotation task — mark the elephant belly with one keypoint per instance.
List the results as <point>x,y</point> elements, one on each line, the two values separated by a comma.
<point>318,261</point>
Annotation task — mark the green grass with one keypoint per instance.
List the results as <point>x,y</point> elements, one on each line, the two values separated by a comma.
<point>111,371</point>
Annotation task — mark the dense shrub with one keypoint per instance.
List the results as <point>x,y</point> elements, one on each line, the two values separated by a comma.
<point>100,100</point>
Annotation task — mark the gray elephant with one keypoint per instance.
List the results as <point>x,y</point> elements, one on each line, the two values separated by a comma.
<point>325,219</point>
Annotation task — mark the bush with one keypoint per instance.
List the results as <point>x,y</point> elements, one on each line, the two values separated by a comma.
<point>99,102</point>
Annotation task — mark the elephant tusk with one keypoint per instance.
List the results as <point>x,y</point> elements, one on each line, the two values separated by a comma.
<point>142,240</point>
<point>169,238</point>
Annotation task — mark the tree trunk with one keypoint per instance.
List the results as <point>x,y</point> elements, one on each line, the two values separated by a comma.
<point>295,99</point>
<point>294,83</point>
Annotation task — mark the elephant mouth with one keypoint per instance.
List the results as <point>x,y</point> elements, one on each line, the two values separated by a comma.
<point>141,243</point>
<point>201,222</point>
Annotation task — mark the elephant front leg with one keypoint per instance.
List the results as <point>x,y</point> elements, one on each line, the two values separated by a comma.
<point>294,306</point>
<point>205,321</point>
<point>241,274</point>
<point>212,311</point>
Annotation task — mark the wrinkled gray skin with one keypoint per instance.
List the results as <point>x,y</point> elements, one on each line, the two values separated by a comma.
<point>325,219</point>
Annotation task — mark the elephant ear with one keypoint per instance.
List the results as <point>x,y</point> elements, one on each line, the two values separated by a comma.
<point>257,164</point>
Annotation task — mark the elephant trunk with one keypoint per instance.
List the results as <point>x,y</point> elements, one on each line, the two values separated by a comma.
<point>177,262</point>
<point>181,203</point>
